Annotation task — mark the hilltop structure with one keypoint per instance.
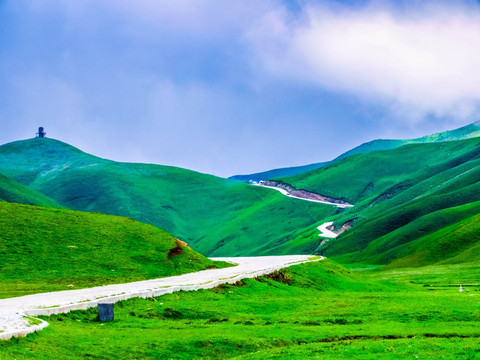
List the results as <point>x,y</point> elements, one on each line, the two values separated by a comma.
<point>41,132</point>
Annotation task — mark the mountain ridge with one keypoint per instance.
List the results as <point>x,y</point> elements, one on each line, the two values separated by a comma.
<point>464,132</point>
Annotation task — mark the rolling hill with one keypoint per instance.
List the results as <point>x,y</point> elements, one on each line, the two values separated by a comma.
<point>465,132</point>
<point>43,249</point>
<point>14,192</point>
<point>404,198</point>
<point>215,216</point>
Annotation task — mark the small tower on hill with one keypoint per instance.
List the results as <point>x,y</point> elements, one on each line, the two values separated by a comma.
<point>41,132</point>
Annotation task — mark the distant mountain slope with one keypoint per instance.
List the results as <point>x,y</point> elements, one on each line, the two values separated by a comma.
<point>14,192</point>
<point>403,197</point>
<point>465,132</point>
<point>215,216</point>
<point>367,176</point>
<point>48,249</point>
<point>277,173</point>
<point>450,235</point>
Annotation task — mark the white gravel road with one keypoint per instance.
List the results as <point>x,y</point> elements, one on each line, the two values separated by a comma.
<point>325,232</point>
<point>286,193</point>
<point>13,311</point>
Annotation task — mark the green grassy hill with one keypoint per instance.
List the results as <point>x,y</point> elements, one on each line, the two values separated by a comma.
<point>213,215</point>
<point>465,132</point>
<point>14,192</point>
<point>44,249</point>
<point>404,198</point>
<point>392,191</point>
<point>383,174</point>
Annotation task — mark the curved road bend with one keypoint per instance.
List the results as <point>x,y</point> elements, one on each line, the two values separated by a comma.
<point>13,310</point>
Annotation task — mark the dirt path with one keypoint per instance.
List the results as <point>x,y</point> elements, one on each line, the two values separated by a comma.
<point>14,312</point>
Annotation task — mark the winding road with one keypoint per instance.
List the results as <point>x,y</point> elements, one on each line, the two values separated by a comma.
<point>324,232</point>
<point>286,193</point>
<point>15,312</point>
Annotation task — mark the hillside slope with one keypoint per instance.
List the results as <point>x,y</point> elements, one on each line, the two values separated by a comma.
<point>465,132</point>
<point>14,192</point>
<point>403,197</point>
<point>215,216</point>
<point>48,249</point>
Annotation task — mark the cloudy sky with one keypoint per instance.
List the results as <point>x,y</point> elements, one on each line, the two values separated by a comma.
<point>239,86</point>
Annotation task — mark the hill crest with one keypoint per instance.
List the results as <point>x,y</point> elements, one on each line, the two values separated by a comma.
<point>464,132</point>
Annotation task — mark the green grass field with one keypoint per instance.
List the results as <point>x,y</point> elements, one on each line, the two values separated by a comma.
<point>317,310</point>
<point>45,249</point>
<point>366,177</point>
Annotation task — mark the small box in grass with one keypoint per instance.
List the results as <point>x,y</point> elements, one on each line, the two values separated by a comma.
<point>105,311</point>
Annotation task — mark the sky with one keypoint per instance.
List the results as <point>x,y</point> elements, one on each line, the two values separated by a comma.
<point>238,86</point>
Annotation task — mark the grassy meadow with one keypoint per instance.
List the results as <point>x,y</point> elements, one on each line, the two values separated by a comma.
<point>44,249</point>
<point>316,310</point>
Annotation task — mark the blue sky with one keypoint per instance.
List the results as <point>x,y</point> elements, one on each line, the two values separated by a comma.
<point>230,87</point>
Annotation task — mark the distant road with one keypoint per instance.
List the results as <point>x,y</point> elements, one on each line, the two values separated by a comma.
<point>325,232</point>
<point>14,310</point>
<point>286,193</point>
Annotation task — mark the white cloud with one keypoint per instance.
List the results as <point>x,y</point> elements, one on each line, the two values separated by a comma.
<point>417,61</point>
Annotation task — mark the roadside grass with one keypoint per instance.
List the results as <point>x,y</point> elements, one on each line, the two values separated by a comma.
<point>44,249</point>
<point>314,310</point>
<point>32,321</point>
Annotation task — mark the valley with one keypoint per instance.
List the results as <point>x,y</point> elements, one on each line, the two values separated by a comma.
<point>217,217</point>
<point>239,180</point>
<point>395,227</point>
